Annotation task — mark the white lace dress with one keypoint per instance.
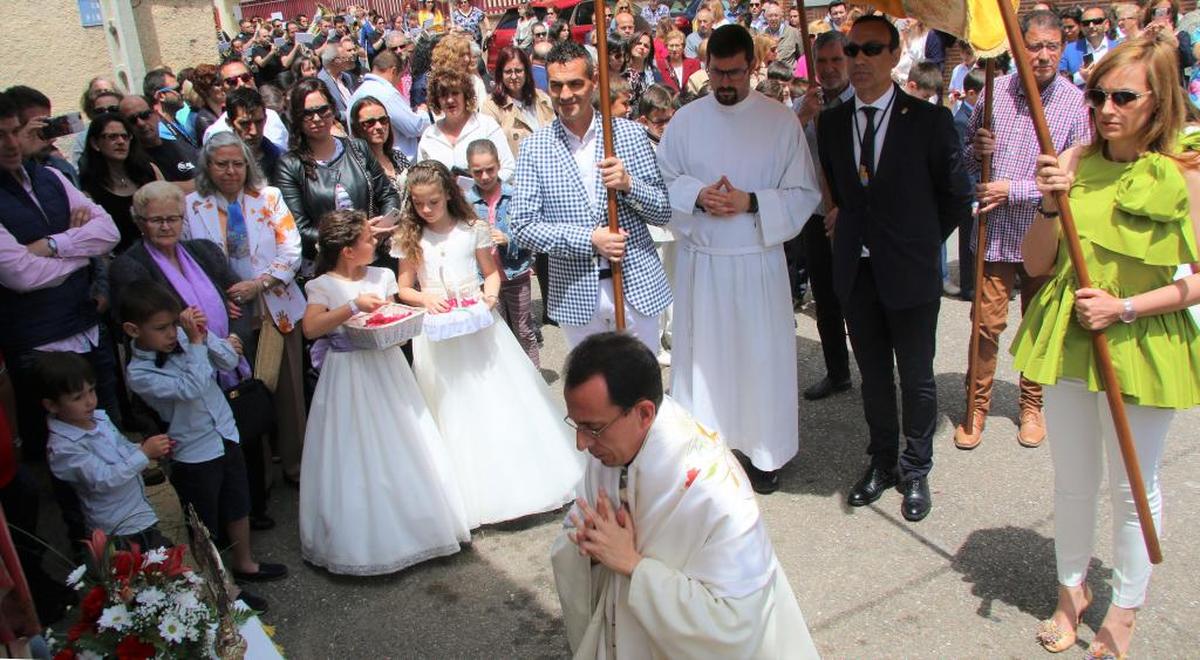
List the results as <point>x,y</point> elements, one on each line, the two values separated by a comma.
<point>512,452</point>
<point>377,488</point>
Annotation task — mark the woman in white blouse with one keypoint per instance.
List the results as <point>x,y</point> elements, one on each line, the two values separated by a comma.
<point>453,96</point>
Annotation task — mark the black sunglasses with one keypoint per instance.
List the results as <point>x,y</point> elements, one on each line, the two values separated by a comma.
<point>108,108</point>
<point>319,111</point>
<point>1120,97</point>
<point>870,49</point>
<point>1092,21</point>
<point>144,115</point>
<point>233,81</point>
<point>370,122</point>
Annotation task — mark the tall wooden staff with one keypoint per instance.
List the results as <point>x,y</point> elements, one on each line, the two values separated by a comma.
<point>985,175</point>
<point>1108,375</point>
<point>609,152</point>
<point>809,64</point>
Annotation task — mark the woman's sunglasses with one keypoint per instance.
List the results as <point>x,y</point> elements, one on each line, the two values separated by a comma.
<point>870,49</point>
<point>319,111</point>
<point>370,122</point>
<point>1120,97</point>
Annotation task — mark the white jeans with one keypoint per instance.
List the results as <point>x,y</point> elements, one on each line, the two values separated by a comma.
<point>604,319</point>
<point>1080,431</point>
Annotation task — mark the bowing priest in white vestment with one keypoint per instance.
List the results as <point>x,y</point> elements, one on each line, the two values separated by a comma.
<point>741,183</point>
<point>664,554</point>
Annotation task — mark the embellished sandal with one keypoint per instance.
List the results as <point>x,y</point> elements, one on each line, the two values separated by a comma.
<point>1100,651</point>
<point>1056,640</point>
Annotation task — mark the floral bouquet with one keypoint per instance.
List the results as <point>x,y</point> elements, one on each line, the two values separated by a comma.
<point>140,605</point>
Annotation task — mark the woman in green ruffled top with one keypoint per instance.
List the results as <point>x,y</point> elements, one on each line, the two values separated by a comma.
<point>1135,193</point>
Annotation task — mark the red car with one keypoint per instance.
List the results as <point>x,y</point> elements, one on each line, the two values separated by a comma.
<point>577,12</point>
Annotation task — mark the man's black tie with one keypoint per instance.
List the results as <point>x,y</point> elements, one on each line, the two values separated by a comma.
<point>866,159</point>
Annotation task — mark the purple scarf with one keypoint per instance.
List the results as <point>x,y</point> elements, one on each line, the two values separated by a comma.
<point>197,290</point>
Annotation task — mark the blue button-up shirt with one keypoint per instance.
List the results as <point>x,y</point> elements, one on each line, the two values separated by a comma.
<point>105,470</point>
<point>185,394</point>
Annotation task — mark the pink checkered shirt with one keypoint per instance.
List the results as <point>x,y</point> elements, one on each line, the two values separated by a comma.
<point>1016,155</point>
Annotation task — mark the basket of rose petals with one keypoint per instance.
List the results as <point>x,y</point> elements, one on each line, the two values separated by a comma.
<point>387,326</point>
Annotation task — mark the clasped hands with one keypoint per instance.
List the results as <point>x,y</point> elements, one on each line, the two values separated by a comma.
<point>722,200</point>
<point>605,534</point>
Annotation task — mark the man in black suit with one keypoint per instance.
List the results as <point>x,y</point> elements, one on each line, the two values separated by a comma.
<point>898,188</point>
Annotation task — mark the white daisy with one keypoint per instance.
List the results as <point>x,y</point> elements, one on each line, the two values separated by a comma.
<point>171,629</point>
<point>117,617</point>
<point>73,580</point>
<point>151,596</point>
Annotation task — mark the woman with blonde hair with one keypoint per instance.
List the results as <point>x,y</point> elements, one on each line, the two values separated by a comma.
<point>453,53</point>
<point>764,54</point>
<point>1130,193</point>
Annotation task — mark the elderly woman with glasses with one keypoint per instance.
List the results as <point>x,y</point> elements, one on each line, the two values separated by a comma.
<point>234,208</point>
<point>322,172</point>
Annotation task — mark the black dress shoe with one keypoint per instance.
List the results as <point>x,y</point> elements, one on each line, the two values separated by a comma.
<point>254,601</point>
<point>764,482</point>
<point>872,485</point>
<point>266,573</point>
<point>826,387</point>
<point>917,501</point>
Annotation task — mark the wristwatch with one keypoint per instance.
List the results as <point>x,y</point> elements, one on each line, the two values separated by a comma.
<point>753,204</point>
<point>1128,313</point>
<point>52,245</point>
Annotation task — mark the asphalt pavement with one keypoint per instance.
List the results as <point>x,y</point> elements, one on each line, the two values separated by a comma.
<point>971,580</point>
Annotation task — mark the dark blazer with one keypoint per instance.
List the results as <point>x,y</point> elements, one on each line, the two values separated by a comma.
<point>919,195</point>
<point>136,264</point>
<point>308,199</point>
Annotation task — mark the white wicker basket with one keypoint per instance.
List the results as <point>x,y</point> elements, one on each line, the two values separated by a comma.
<point>384,336</point>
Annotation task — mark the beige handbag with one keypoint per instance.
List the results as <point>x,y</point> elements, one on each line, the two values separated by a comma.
<point>269,357</point>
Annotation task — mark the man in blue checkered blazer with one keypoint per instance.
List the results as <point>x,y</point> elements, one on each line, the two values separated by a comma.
<point>561,209</point>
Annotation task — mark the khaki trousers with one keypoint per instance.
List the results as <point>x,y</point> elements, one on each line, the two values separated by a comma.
<point>992,316</point>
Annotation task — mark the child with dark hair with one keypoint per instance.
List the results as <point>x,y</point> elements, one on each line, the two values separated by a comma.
<point>379,492</point>
<point>173,369</point>
<point>85,450</point>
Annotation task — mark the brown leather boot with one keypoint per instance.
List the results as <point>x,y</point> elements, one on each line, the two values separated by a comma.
<point>964,439</point>
<point>1033,429</point>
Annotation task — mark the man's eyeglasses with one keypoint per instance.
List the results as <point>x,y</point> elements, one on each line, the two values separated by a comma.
<point>870,49</point>
<point>167,90</point>
<point>116,137</point>
<point>144,115</point>
<point>1091,22</point>
<point>236,81</point>
<point>537,35</point>
<point>1120,97</point>
<point>370,122</point>
<point>1049,46</point>
<point>731,74</point>
<point>321,111</point>
<point>595,433</point>
<point>108,108</point>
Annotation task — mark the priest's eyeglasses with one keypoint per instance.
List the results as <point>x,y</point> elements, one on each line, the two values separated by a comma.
<point>595,433</point>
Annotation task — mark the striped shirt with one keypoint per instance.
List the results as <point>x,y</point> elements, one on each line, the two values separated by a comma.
<point>1016,155</point>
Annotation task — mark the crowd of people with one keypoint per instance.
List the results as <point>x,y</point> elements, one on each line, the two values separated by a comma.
<point>181,271</point>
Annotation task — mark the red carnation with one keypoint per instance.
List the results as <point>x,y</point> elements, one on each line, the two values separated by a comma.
<point>78,630</point>
<point>93,604</point>
<point>65,654</point>
<point>691,476</point>
<point>132,648</point>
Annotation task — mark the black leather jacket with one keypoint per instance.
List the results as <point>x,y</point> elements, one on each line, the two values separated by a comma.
<point>309,199</point>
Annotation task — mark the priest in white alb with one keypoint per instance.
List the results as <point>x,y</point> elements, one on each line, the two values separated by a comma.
<point>741,183</point>
<point>664,554</point>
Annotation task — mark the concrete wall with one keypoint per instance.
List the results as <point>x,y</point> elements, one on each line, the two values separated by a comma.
<point>48,50</point>
<point>52,52</point>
